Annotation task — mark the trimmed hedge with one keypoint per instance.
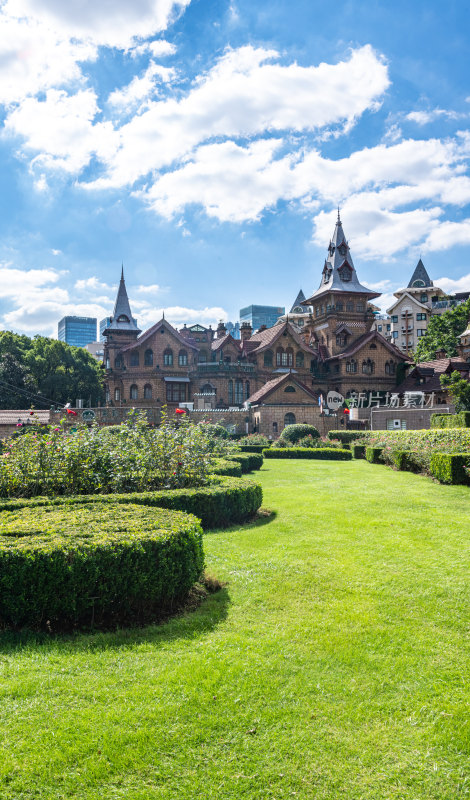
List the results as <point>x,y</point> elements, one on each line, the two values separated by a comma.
<point>94,563</point>
<point>345,436</point>
<point>325,453</point>
<point>403,460</point>
<point>252,448</point>
<point>221,466</point>
<point>450,467</point>
<point>358,450</point>
<point>247,461</point>
<point>374,455</point>
<point>459,420</point>
<point>227,501</point>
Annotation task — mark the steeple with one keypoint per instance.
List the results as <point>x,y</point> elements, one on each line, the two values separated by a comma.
<point>122,319</point>
<point>297,304</point>
<point>339,274</point>
<point>420,277</point>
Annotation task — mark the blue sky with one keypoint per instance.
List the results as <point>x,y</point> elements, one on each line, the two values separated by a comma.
<point>207,144</point>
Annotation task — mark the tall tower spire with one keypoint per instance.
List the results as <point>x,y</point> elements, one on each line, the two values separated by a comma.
<point>122,319</point>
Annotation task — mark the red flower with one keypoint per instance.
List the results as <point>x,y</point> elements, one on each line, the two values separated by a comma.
<point>72,412</point>
<point>179,410</point>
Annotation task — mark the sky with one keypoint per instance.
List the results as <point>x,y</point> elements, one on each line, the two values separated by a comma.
<point>206,145</point>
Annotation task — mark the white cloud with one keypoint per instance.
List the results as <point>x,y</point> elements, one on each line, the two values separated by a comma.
<point>424,117</point>
<point>152,288</point>
<point>447,235</point>
<point>158,48</point>
<point>244,95</point>
<point>93,283</point>
<point>112,23</point>
<point>179,315</point>
<point>450,285</point>
<point>140,89</point>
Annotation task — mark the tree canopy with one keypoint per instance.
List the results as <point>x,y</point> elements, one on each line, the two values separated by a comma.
<point>44,371</point>
<point>458,388</point>
<point>442,333</point>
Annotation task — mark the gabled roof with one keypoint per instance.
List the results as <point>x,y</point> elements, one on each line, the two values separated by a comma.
<point>271,386</point>
<point>122,319</point>
<point>142,339</point>
<point>265,339</point>
<point>420,278</point>
<point>216,344</point>
<point>333,275</point>
<point>366,338</point>
<point>413,300</point>
<point>425,376</point>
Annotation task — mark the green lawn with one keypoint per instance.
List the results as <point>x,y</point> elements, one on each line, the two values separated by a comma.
<point>334,665</point>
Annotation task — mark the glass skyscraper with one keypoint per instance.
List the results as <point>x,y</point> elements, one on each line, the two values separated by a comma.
<point>77,331</point>
<point>261,315</point>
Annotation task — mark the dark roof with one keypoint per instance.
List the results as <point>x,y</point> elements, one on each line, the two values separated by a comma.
<point>122,310</point>
<point>420,277</point>
<point>298,301</point>
<point>426,375</point>
<point>216,344</point>
<point>339,262</point>
<point>154,328</point>
<point>355,346</point>
<point>270,386</point>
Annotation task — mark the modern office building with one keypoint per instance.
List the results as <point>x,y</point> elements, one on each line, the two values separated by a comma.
<point>233,328</point>
<point>257,316</point>
<point>77,331</point>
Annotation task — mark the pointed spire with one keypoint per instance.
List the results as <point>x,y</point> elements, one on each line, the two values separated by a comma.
<point>420,277</point>
<point>122,319</point>
<point>297,304</point>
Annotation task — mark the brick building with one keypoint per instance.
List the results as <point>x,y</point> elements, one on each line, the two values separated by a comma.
<point>335,348</point>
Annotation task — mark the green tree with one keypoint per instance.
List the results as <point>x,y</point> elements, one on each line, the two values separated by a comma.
<point>458,388</point>
<point>442,333</point>
<point>47,367</point>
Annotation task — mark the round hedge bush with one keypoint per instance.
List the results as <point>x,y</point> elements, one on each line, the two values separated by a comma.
<point>292,433</point>
<point>88,564</point>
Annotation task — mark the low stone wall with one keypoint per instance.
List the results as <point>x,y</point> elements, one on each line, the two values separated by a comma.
<point>239,420</point>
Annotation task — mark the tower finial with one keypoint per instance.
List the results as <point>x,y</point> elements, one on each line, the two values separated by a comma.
<point>122,270</point>
<point>339,220</point>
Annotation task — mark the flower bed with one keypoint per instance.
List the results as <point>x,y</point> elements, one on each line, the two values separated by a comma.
<point>62,567</point>
<point>420,444</point>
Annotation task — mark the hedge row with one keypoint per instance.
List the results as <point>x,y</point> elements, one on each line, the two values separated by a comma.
<point>450,467</point>
<point>252,448</point>
<point>358,450</point>
<point>221,466</point>
<point>460,420</point>
<point>345,436</point>
<point>94,564</point>
<point>248,461</point>
<point>325,453</point>
<point>224,502</point>
<point>374,455</point>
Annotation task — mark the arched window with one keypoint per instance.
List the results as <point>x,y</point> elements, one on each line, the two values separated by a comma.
<point>183,358</point>
<point>168,357</point>
<point>118,361</point>
<point>299,359</point>
<point>117,394</point>
<point>134,392</point>
<point>230,393</point>
<point>289,389</point>
<point>390,368</point>
<point>147,392</point>
<point>279,356</point>
<point>238,392</point>
<point>268,358</point>
<point>351,366</point>
<point>289,418</point>
<point>148,358</point>
<point>202,357</point>
<point>123,318</point>
<point>134,362</point>
<point>274,427</point>
<point>290,357</point>
<point>368,367</point>
<point>341,340</point>
<point>207,389</point>
<point>247,390</point>
<point>107,395</point>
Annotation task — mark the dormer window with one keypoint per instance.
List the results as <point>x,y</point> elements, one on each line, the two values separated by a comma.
<point>123,318</point>
<point>345,272</point>
<point>343,249</point>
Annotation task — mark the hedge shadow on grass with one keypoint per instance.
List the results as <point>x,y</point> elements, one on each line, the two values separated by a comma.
<point>262,517</point>
<point>185,623</point>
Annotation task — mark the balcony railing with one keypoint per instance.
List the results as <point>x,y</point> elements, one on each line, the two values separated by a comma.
<point>217,366</point>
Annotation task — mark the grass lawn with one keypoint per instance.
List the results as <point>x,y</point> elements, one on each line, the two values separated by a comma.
<point>335,664</point>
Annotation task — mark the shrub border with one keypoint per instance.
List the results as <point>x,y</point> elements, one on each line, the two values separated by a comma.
<point>321,453</point>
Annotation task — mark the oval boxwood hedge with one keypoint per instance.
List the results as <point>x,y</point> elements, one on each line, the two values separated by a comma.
<point>224,502</point>
<point>247,461</point>
<point>94,563</point>
<point>325,453</point>
<point>222,466</point>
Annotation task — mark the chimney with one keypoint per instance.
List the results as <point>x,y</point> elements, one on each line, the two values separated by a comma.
<point>440,354</point>
<point>245,331</point>
<point>262,327</point>
<point>221,330</point>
